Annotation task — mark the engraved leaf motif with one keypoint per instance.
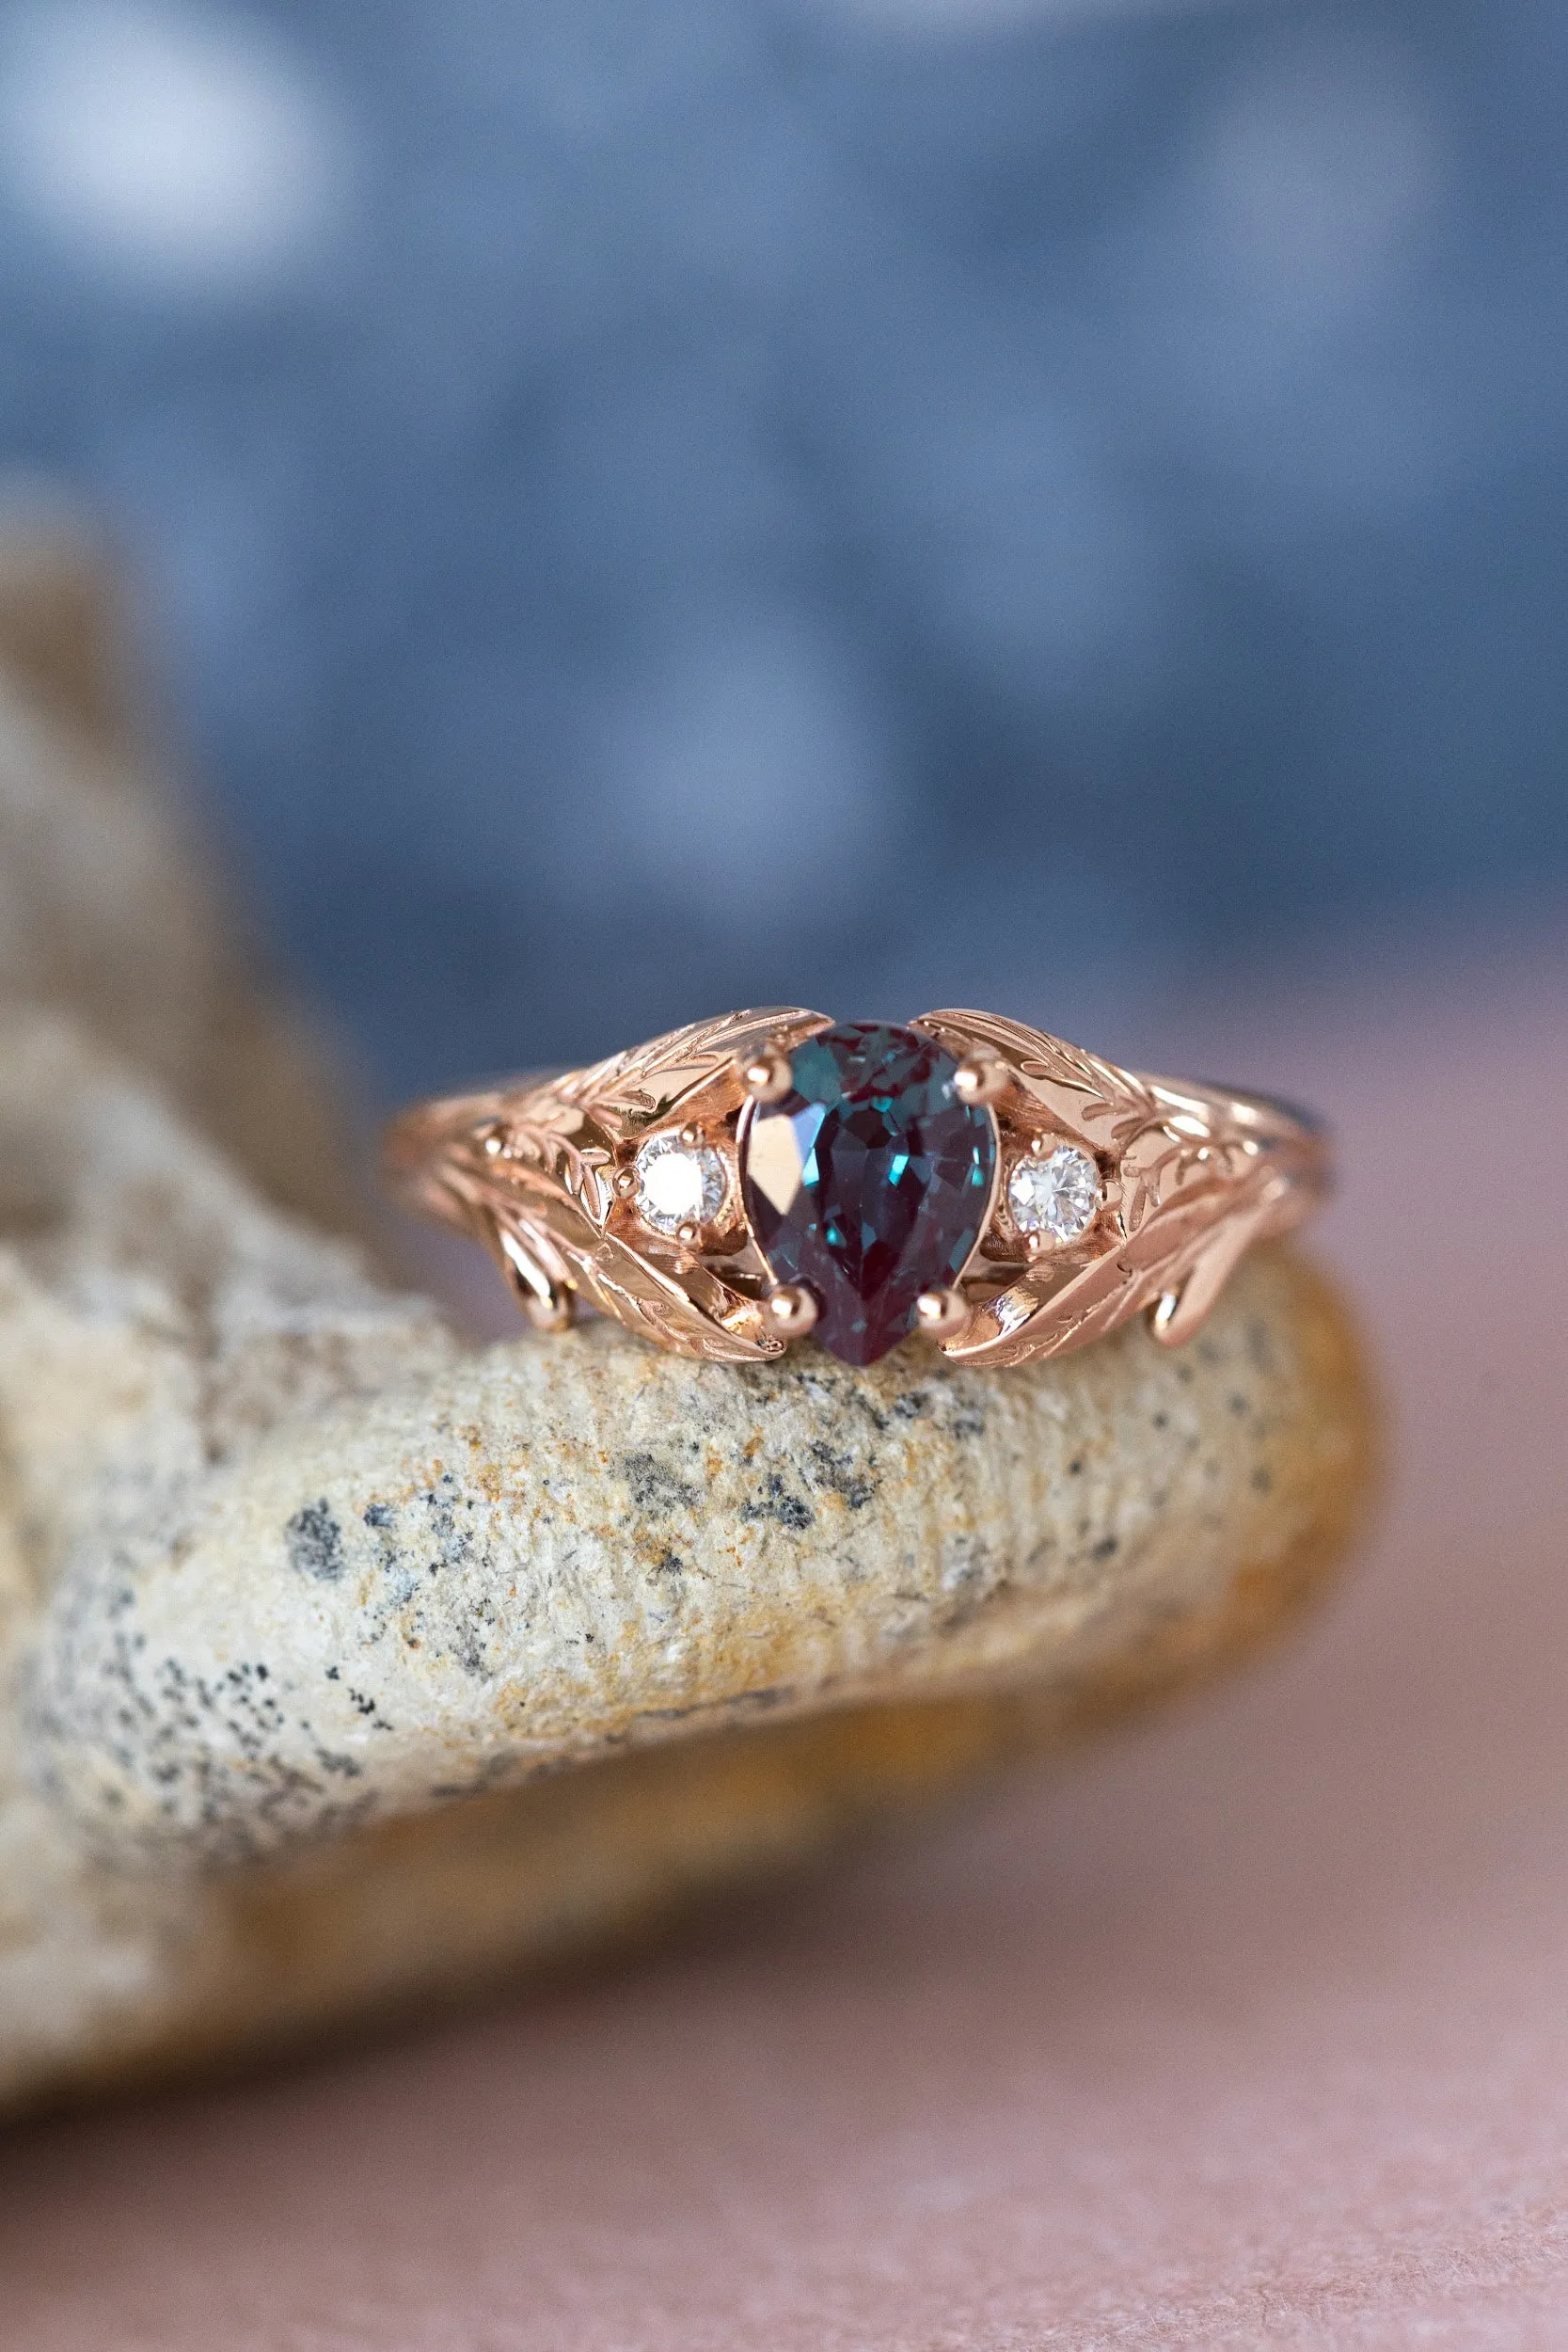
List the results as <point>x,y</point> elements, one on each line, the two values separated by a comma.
<point>631,1088</point>
<point>1102,1096</point>
<point>554,1177</point>
<point>696,1313</point>
<point>548,1154</point>
<point>619,1282</point>
<point>1035,1319</point>
<point>1022,1326</point>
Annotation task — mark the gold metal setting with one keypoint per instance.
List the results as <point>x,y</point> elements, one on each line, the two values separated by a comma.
<point>541,1172</point>
<point>791,1310</point>
<point>982,1078</point>
<point>941,1315</point>
<point>765,1075</point>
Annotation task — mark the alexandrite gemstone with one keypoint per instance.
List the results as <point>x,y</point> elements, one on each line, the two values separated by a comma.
<point>869,1181</point>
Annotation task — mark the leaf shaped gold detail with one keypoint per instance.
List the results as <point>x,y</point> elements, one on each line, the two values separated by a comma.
<point>631,1090</point>
<point>1106,1105</point>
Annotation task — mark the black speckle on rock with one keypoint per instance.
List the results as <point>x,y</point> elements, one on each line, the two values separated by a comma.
<point>962,1413</point>
<point>453,1540</point>
<point>776,1502</point>
<point>1106,1545</point>
<point>364,1704</point>
<point>655,1487</point>
<point>379,1515</point>
<point>315,1543</point>
<point>837,1472</point>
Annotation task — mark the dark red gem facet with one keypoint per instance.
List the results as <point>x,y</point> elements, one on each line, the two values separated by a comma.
<point>869,1181</point>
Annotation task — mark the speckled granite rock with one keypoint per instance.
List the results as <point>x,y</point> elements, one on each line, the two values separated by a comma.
<point>343,1665</point>
<point>543,1554</point>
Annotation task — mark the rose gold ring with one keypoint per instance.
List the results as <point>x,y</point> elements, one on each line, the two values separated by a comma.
<point>728,1188</point>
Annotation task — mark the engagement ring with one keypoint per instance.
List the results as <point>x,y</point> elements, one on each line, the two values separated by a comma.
<point>728,1188</point>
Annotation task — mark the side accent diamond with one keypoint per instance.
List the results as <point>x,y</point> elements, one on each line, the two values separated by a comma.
<point>678,1184</point>
<point>1060,1194</point>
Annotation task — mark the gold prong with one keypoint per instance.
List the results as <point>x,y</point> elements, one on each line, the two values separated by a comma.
<point>791,1310</point>
<point>1033,1245</point>
<point>981,1077</point>
<point>1162,1314</point>
<point>690,1136</point>
<point>941,1315</point>
<point>548,1304</point>
<point>553,1313</point>
<point>1037,1147</point>
<point>766,1077</point>
<point>687,1232</point>
<point>625,1182</point>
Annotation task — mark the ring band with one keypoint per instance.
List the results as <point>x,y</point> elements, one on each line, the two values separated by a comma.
<point>726,1188</point>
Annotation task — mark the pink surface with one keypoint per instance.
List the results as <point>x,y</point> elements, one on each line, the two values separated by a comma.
<point>1250,2028</point>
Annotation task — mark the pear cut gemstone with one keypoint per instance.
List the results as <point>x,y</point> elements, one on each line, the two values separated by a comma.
<point>869,1181</point>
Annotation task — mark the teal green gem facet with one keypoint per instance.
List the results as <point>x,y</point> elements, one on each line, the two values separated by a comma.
<point>869,1181</point>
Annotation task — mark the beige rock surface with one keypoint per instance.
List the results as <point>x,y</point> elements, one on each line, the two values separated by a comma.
<point>344,1665</point>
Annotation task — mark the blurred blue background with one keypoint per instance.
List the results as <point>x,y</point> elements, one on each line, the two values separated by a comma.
<point>874,503</point>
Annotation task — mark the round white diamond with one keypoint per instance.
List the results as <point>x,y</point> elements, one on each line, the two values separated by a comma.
<point>678,1184</point>
<point>1059,1194</point>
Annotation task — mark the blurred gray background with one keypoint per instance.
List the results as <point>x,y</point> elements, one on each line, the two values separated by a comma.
<point>651,507</point>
